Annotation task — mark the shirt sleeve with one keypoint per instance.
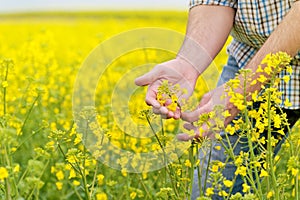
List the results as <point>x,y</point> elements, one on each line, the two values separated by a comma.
<point>229,3</point>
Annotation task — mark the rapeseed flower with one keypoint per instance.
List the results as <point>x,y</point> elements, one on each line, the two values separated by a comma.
<point>3,173</point>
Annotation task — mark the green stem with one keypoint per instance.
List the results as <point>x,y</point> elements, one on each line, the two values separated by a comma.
<point>65,157</point>
<point>4,91</point>
<point>94,179</point>
<point>191,170</point>
<point>270,150</point>
<point>77,194</point>
<point>199,173</point>
<point>163,144</point>
<point>7,181</point>
<point>145,188</point>
<point>251,147</point>
<point>28,114</point>
<point>35,188</point>
<point>296,187</point>
<point>208,165</point>
<point>164,154</point>
<point>253,158</point>
<point>26,139</point>
<point>86,189</point>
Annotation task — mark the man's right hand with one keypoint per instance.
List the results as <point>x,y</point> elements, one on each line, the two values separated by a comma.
<point>176,71</point>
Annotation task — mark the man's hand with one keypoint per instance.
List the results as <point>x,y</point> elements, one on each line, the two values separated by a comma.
<point>177,71</point>
<point>285,38</point>
<point>208,102</point>
<point>207,30</point>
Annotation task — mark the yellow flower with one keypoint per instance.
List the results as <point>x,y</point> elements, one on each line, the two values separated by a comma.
<point>3,173</point>
<point>238,161</point>
<point>76,183</point>
<point>209,191</point>
<point>13,149</point>
<point>101,196</point>
<point>218,136</point>
<point>4,84</point>
<point>268,70</point>
<point>228,183</point>
<point>259,69</point>
<point>78,139</point>
<point>246,188</point>
<point>270,194</point>
<point>72,173</point>
<point>53,170</point>
<point>100,178</point>
<point>124,172</point>
<point>230,129</point>
<point>59,185</point>
<point>253,82</point>
<point>293,193</point>
<point>287,103</point>
<point>172,106</point>
<point>242,170</point>
<point>188,163</point>
<point>215,168</point>
<point>144,175</point>
<point>223,193</point>
<point>16,168</point>
<point>132,195</point>
<point>160,99</point>
<point>262,79</point>
<point>277,120</point>
<point>263,173</point>
<point>60,175</point>
<point>218,148</point>
<point>286,79</point>
<point>289,69</point>
<point>226,113</point>
<point>221,164</point>
<point>254,95</point>
<point>295,171</point>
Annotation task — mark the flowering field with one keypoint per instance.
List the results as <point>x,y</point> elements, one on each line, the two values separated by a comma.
<point>46,154</point>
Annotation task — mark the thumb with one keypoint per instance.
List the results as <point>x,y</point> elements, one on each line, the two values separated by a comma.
<point>147,78</point>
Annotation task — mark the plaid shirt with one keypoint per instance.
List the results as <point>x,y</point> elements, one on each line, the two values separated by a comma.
<point>254,22</point>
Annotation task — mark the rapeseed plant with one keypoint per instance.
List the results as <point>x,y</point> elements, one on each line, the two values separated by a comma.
<point>42,151</point>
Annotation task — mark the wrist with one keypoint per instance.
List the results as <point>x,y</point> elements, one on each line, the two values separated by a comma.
<point>188,67</point>
<point>194,54</point>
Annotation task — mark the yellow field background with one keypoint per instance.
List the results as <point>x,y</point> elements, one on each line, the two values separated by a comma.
<point>41,154</point>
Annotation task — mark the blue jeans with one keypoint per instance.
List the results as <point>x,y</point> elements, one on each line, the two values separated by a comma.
<point>229,72</point>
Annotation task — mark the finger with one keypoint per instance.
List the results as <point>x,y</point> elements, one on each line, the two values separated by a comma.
<point>170,114</point>
<point>164,111</point>
<point>168,102</point>
<point>205,99</point>
<point>147,78</point>
<point>194,115</point>
<point>177,113</point>
<point>209,134</point>
<point>151,97</point>
<point>189,126</point>
<point>155,110</point>
<point>184,137</point>
<point>161,111</point>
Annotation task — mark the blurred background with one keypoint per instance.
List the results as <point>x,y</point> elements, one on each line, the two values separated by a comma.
<point>67,5</point>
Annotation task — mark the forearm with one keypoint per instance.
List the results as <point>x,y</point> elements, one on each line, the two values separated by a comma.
<point>285,38</point>
<point>207,31</point>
